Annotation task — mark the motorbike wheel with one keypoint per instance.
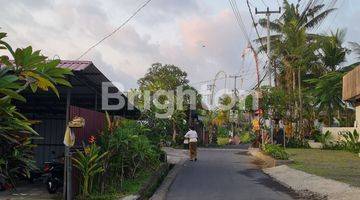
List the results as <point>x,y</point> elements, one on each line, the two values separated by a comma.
<point>51,186</point>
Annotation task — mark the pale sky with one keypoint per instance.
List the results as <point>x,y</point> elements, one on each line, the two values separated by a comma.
<point>199,36</point>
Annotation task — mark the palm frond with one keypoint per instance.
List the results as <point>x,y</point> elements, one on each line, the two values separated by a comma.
<point>319,18</point>
<point>355,47</point>
<point>274,26</point>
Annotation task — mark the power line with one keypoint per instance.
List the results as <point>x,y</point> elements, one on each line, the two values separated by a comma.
<point>238,18</point>
<point>117,29</point>
<point>264,3</point>
<point>268,12</point>
<point>254,23</point>
<point>278,3</point>
<point>233,4</point>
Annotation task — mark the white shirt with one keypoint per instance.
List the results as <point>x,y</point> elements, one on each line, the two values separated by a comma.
<point>192,135</point>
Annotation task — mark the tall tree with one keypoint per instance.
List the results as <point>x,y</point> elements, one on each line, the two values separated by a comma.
<point>169,78</point>
<point>294,45</point>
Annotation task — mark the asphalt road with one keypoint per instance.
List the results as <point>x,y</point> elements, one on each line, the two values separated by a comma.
<point>225,175</point>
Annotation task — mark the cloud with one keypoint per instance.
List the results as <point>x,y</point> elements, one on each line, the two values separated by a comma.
<point>211,44</point>
<point>68,29</point>
<point>199,36</point>
<point>157,11</point>
<point>114,72</point>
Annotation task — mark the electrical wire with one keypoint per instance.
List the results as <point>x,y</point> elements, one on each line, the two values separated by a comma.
<point>255,26</point>
<point>116,30</point>
<point>278,3</point>
<point>336,14</point>
<point>239,20</point>
<point>264,3</point>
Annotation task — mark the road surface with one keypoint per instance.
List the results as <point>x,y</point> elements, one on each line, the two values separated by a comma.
<point>225,175</point>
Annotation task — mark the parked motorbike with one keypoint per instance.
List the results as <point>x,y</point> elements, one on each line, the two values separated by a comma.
<point>54,176</point>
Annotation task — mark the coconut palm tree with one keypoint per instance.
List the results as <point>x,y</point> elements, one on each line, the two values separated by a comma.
<point>327,86</point>
<point>293,43</point>
<point>294,46</point>
<point>327,90</point>
<point>332,53</point>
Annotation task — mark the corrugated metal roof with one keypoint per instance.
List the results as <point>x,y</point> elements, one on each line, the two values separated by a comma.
<point>75,65</point>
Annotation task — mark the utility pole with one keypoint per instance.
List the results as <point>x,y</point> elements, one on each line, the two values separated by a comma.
<point>235,89</point>
<point>211,88</point>
<point>236,99</point>
<point>268,12</point>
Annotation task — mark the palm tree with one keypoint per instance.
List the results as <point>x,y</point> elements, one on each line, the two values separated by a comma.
<point>332,53</point>
<point>328,91</point>
<point>294,45</point>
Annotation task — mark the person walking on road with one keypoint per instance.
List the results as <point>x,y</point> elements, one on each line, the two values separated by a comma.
<point>192,136</point>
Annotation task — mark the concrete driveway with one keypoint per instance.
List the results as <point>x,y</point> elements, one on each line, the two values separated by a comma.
<point>225,175</point>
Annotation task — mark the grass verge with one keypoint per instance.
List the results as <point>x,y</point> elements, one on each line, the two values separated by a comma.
<point>337,165</point>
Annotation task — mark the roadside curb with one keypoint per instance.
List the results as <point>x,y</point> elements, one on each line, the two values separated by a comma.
<point>160,193</point>
<point>268,160</point>
<point>220,149</point>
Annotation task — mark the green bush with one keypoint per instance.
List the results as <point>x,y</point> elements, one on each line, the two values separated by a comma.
<point>351,141</point>
<point>297,143</point>
<point>247,137</point>
<point>324,139</point>
<point>130,153</point>
<point>222,141</point>
<point>276,151</point>
<point>222,132</point>
<point>134,152</point>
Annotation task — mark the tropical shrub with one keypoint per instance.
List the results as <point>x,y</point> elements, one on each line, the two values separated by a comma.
<point>90,163</point>
<point>351,141</point>
<point>295,142</point>
<point>27,69</point>
<point>130,152</point>
<point>222,132</point>
<point>324,139</point>
<point>247,137</point>
<point>276,151</point>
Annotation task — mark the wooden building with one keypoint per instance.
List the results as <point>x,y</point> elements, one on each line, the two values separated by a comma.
<point>351,91</point>
<point>351,86</point>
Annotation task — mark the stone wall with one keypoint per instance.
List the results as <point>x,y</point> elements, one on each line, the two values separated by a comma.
<point>335,131</point>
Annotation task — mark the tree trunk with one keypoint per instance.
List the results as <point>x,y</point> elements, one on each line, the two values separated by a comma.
<point>296,108</point>
<point>174,131</point>
<point>300,102</point>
